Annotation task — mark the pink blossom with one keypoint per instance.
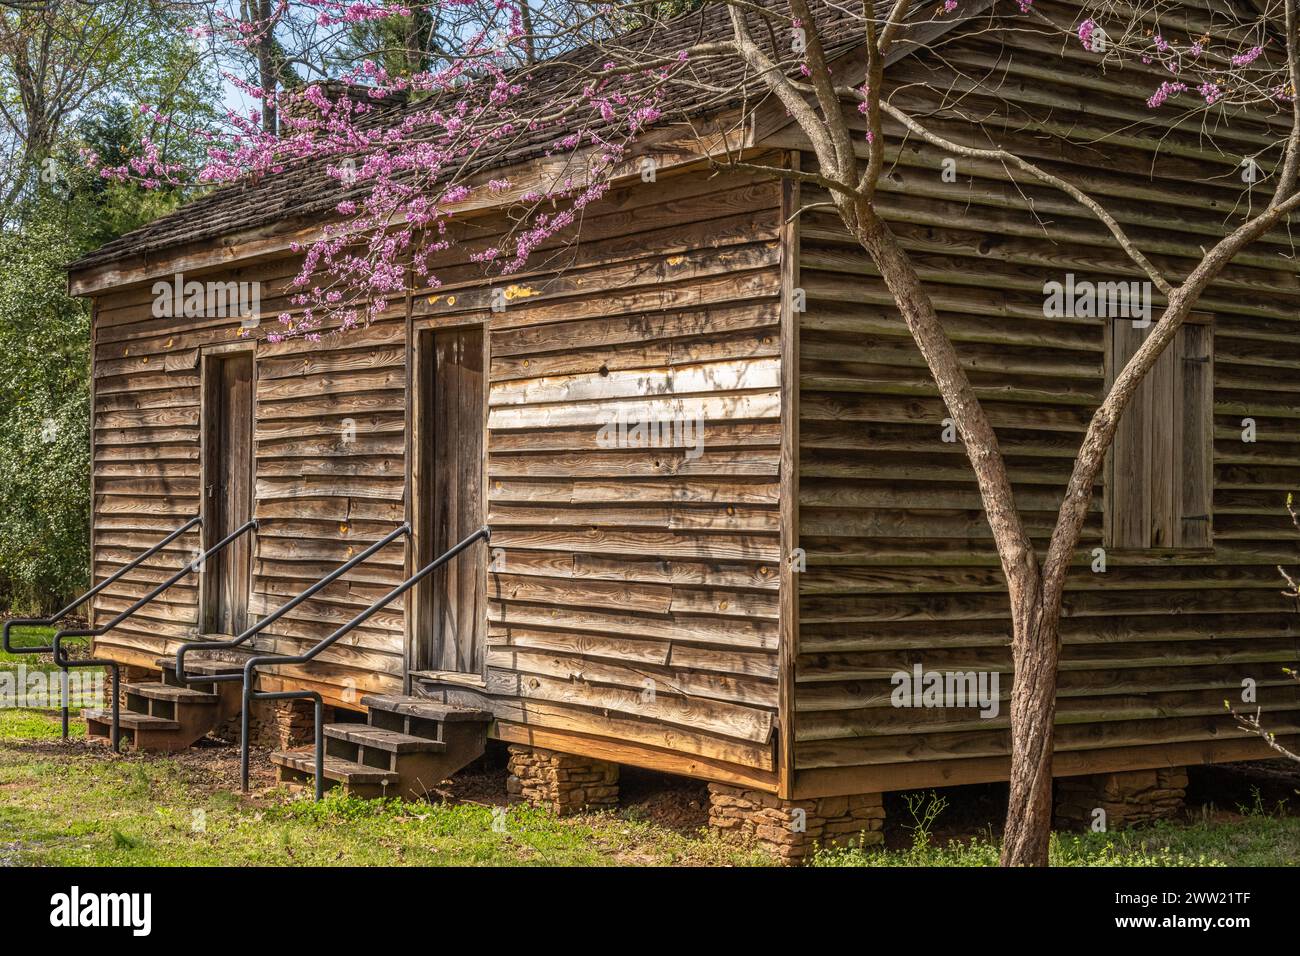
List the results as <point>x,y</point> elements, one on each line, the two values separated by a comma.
<point>1247,58</point>
<point>1086,30</point>
<point>1165,91</point>
<point>393,186</point>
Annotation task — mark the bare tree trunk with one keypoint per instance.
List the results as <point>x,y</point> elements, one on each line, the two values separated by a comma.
<point>530,41</point>
<point>414,54</point>
<point>1035,653</point>
<point>268,75</point>
<point>1035,604</point>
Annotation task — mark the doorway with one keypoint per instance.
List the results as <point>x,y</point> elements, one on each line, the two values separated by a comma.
<point>228,403</point>
<point>449,625</point>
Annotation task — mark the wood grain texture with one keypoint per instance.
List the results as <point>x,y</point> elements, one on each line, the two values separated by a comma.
<point>631,590</point>
<point>639,604</point>
<point>325,474</point>
<point>632,599</point>
<point>902,568</point>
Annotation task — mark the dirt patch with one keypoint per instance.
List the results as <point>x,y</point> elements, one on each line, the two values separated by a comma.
<point>482,782</point>
<point>1226,790</point>
<point>213,767</point>
<point>975,810</point>
<point>55,748</point>
<point>674,803</point>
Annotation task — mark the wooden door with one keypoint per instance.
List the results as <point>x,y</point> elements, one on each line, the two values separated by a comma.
<point>227,489</point>
<point>450,623</point>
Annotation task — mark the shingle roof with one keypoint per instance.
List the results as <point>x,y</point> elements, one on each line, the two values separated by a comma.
<point>303,191</point>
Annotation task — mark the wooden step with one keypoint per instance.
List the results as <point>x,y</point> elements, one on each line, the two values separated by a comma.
<point>131,720</point>
<point>157,691</point>
<point>427,709</point>
<point>343,771</point>
<point>196,664</point>
<point>378,738</point>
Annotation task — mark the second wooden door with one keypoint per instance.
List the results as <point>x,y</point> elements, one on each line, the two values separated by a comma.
<point>451,613</point>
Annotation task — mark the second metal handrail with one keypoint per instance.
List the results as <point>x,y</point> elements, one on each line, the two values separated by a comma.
<point>251,665</point>
<point>275,615</point>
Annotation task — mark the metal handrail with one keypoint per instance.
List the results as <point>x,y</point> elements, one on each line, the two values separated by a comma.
<point>60,615</point>
<point>275,615</point>
<point>66,662</point>
<point>253,663</point>
<point>111,579</point>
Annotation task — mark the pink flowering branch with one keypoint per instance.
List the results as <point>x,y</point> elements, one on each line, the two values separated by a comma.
<point>401,152</point>
<point>1228,65</point>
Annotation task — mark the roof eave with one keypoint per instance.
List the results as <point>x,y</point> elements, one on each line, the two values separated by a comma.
<point>673,145</point>
<point>725,133</point>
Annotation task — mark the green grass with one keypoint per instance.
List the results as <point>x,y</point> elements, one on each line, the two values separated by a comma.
<point>1252,841</point>
<point>26,637</point>
<point>77,806</point>
<point>1260,836</point>
<point>19,672</point>
<point>27,725</point>
<point>37,637</point>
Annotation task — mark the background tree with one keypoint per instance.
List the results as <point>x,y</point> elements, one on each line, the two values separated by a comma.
<point>44,442</point>
<point>59,62</point>
<point>71,76</point>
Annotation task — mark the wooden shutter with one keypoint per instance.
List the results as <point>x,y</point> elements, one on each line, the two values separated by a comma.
<point>1159,481</point>
<point>1195,514</point>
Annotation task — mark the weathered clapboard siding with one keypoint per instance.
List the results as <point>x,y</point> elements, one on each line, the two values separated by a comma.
<point>320,497</point>
<point>625,569</point>
<point>618,566</point>
<point>331,480</point>
<point>901,568</point>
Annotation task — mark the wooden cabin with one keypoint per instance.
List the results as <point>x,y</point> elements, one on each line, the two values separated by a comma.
<point>734,609</point>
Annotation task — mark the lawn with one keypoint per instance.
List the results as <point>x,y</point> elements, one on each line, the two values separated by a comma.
<point>1253,840</point>
<point>38,637</point>
<point>76,804</point>
<point>27,637</point>
<point>31,679</point>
